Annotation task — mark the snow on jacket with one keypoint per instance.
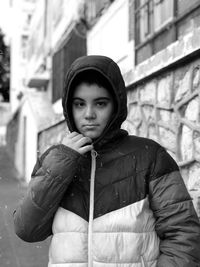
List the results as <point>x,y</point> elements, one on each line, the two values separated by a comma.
<point>124,204</point>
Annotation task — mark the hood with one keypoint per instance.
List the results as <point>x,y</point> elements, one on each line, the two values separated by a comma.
<point>109,70</point>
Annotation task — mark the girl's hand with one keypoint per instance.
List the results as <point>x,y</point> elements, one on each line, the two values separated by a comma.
<point>78,142</point>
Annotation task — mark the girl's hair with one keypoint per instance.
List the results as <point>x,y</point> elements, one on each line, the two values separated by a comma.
<point>92,77</point>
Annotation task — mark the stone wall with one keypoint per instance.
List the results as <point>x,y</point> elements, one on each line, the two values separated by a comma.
<point>12,135</point>
<point>5,115</point>
<point>51,136</point>
<point>166,108</point>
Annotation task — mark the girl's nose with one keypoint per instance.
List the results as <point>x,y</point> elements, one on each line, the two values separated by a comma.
<point>90,113</point>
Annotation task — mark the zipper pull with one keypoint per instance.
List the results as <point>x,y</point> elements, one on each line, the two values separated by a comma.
<point>94,154</point>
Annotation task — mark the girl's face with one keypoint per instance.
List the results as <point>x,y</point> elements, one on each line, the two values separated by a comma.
<point>92,108</point>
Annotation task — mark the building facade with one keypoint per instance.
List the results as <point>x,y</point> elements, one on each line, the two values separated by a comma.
<point>163,87</point>
<point>39,61</point>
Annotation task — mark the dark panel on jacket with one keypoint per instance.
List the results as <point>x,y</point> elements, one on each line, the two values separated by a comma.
<point>122,178</point>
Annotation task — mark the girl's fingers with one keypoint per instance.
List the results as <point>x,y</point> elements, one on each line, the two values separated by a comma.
<point>85,149</point>
<point>72,135</point>
<point>83,141</point>
<point>76,138</point>
<point>78,142</point>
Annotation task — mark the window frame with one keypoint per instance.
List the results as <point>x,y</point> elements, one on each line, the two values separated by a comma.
<point>171,25</point>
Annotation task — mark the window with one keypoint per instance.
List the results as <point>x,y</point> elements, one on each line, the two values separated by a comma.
<point>163,13</point>
<point>96,8</point>
<point>158,23</point>
<point>74,47</point>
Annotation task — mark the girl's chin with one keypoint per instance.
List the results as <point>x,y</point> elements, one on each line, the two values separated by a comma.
<point>93,136</point>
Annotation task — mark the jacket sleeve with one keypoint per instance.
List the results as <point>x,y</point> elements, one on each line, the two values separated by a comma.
<point>177,224</point>
<point>51,176</point>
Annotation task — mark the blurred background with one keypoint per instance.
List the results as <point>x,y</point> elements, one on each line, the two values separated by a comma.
<point>156,44</point>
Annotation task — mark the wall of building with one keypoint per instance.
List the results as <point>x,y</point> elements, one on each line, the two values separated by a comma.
<point>51,136</point>
<point>5,114</point>
<point>104,37</point>
<point>2,136</point>
<point>48,31</point>
<point>20,13</point>
<point>22,141</point>
<point>65,14</point>
<point>12,134</point>
<point>28,147</point>
<point>39,48</point>
<point>165,106</point>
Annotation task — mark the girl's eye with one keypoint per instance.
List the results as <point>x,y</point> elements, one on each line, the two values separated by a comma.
<point>78,104</point>
<point>101,104</point>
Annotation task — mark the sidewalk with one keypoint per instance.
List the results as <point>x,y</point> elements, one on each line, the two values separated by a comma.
<point>13,251</point>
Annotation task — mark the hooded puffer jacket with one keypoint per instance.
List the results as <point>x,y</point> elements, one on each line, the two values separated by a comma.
<point>124,204</point>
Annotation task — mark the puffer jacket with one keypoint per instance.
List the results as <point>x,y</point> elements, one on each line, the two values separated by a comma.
<point>124,204</point>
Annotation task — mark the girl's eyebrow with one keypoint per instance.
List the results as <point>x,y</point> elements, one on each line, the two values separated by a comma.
<point>77,98</point>
<point>96,99</point>
<point>102,98</point>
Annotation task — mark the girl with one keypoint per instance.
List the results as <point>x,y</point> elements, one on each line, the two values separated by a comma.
<point>107,198</point>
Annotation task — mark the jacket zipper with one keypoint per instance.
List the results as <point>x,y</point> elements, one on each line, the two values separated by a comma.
<point>91,208</point>
<point>143,262</point>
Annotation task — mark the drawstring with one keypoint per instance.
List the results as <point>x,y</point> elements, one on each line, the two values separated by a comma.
<point>91,211</point>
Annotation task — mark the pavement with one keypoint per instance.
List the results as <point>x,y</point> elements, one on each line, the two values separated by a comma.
<point>13,251</point>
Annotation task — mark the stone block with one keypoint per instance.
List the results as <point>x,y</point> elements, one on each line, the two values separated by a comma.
<point>148,92</point>
<point>192,110</point>
<point>196,78</point>
<point>167,138</point>
<point>165,115</point>
<point>182,84</point>
<point>194,174</point>
<point>152,132</point>
<point>132,96</point>
<point>149,113</point>
<point>164,91</point>
<point>197,145</point>
<point>186,143</point>
<point>168,116</point>
<point>129,127</point>
<point>143,130</point>
<point>134,115</point>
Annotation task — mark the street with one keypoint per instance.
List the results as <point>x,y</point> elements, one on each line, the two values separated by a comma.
<point>13,251</point>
